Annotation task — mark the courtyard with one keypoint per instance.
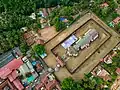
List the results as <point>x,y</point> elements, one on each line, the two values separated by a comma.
<point>73,63</point>
<point>89,57</point>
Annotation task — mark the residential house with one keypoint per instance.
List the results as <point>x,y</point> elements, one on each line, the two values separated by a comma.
<point>39,41</point>
<point>116,84</point>
<point>116,20</point>
<point>48,82</point>
<point>9,56</point>
<point>45,12</point>
<point>49,10</point>
<point>27,72</point>
<point>31,38</point>
<point>9,72</point>
<point>108,58</point>
<point>102,73</point>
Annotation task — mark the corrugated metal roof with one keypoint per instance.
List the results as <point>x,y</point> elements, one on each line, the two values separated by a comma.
<point>67,43</point>
<point>6,58</point>
<point>86,39</point>
<point>13,65</point>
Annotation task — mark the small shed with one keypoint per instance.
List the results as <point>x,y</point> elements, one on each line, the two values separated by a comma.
<point>116,20</point>
<point>105,4</point>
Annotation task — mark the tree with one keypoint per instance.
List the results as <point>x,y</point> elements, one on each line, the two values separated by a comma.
<point>24,48</point>
<point>46,3</point>
<point>65,2</point>
<point>14,16</point>
<point>112,4</point>
<point>66,11</point>
<point>68,84</point>
<point>59,25</point>
<point>87,83</point>
<point>39,49</point>
<point>118,1</point>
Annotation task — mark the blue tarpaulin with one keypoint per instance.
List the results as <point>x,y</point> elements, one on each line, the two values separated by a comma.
<point>62,19</point>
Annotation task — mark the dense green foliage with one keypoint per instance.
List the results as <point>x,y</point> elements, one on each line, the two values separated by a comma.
<point>39,49</point>
<point>59,24</point>
<point>111,68</point>
<point>118,1</point>
<point>88,83</point>
<point>13,16</point>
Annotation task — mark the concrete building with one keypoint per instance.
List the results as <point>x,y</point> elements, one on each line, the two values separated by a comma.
<point>83,42</point>
<point>48,82</point>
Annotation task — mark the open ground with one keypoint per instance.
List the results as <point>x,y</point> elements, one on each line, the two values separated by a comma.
<point>47,33</point>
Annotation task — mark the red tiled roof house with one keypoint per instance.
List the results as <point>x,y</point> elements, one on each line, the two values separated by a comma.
<point>116,20</point>
<point>9,72</point>
<point>48,84</point>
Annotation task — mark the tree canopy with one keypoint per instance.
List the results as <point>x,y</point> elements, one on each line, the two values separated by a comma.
<point>13,16</point>
<point>39,49</point>
<point>87,83</point>
<point>70,84</point>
